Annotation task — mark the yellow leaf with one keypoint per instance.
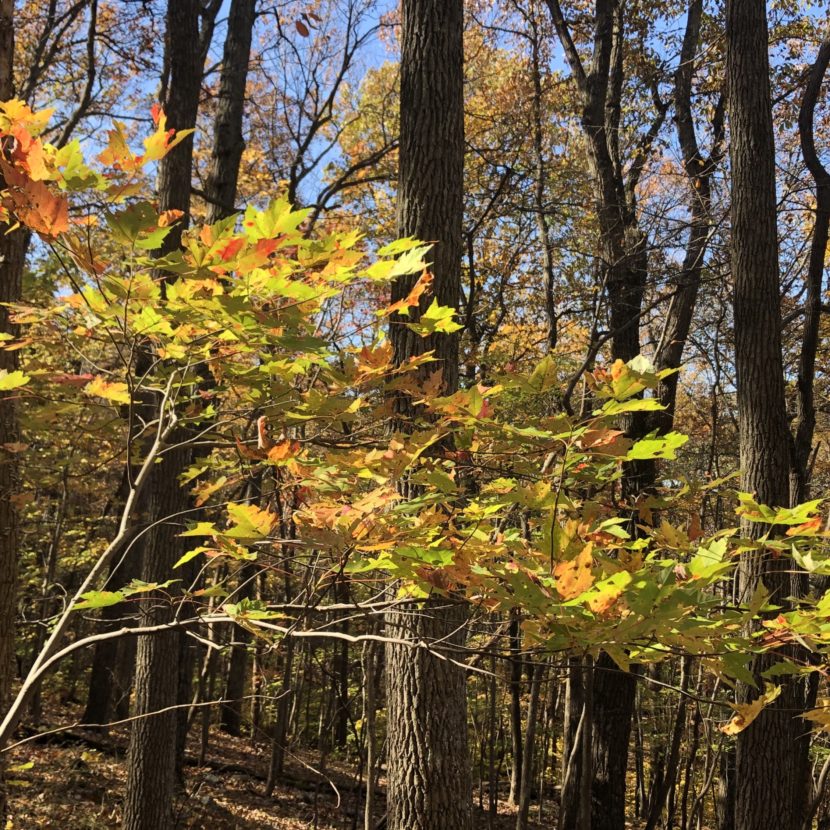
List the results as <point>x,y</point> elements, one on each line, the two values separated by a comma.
<point>820,716</point>
<point>115,392</point>
<point>745,713</point>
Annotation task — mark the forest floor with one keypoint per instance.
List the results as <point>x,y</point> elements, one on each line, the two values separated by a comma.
<point>75,781</point>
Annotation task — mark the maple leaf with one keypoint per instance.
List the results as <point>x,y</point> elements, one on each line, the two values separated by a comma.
<point>403,305</point>
<point>250,522</point>
<point>159,144</point>
<point>283,451</point>
<point>231,248</point>
<point>745,713</point>
<point>33,203</point>
<point>575,576</point>
<point>436,318</point>
<point>115,392</point>
<point>28,154</point>
<point>821,715</point>
<point>168,217</point>
<point>809,528</point>
<point>12,380</point>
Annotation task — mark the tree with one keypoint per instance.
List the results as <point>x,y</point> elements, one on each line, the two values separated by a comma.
<point>153,751</point>
<point>429,776</point>
<point>12,252</point>
<point>228,140</point>
<point>768,792</point>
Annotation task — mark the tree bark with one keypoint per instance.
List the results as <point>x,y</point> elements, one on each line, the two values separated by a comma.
<point>429,776</point>
<point>428,771</point>
<point>12,253</point>
<point>228,140</point>
<point>805,419</point>
<point>768,752</point>
<point>151,776</point>
<point>699,170</point>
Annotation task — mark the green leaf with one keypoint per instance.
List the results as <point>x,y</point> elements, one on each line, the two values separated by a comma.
<point>631,405</point>
<point>191,554</point>
<point>136,225</point>
<point>654,446</point>
<point>250,522</point>
<point>200,529</point>
<point>99,599</point>
<point>12,380</point>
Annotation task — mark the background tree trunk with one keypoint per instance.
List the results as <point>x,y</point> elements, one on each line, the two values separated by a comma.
<point>228,140</point>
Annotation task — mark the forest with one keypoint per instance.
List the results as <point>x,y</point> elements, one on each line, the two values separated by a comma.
<point>413,414</point>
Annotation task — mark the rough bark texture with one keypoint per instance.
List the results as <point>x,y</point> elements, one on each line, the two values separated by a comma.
<point>805,420</point>
<point>699,170</point>
<point>431,174</point>
<point>12,252</point>
<point>228,141</point>
<point>428,771</point>
<point>151,764</point>
<point>623,272</point>
<point>768,752</point>
<point>429,778</point>
<point>107,692</point>
<point>151,778</point>
<point>613,711</point>
<point>231,710</point>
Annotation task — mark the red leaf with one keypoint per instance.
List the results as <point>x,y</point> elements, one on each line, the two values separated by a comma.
<point>232,248</point>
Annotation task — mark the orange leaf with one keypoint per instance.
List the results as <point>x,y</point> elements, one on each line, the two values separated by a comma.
<point>169,217</point>
<point>809,528</point>
<point>600,602</point>
<point>414,296</point>
<point>29,154</point>
<point>574,576</point>
<point>33,203</point>
<point>283,450</point>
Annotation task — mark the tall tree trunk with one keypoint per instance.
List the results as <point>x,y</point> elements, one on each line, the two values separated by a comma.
<point>228,141</point>
<point>429,776</point>
<point>220,192</point>
<point>153,739</point>
<point>12,254</point>
<point>623,271</point>
<point>151,761</point>
<point>517,749</point>
<point>530,741</point>
<point>571,766</point>
<point>768,751</point>
<point>231,709</point>
<point>699,170</point>
<point>805,419</point>
<point>106,689</point>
